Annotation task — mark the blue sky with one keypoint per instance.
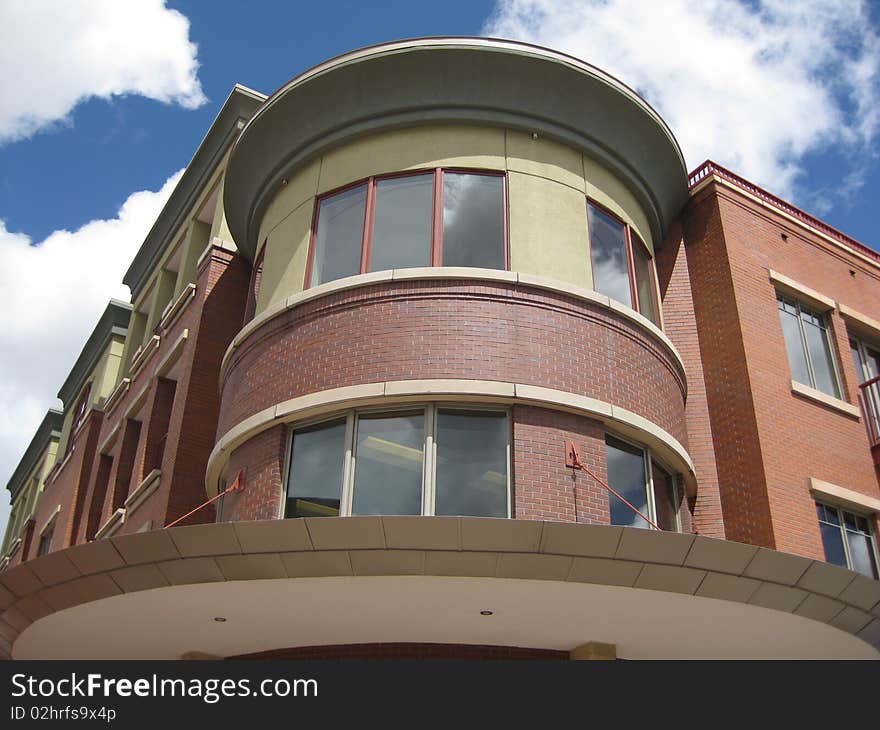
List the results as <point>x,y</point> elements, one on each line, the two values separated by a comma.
<point>119,96</point>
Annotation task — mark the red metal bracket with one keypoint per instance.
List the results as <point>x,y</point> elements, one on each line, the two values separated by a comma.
<point>572,458</point>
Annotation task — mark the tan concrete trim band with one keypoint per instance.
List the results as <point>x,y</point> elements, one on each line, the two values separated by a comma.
<point>113,523</point>
<point>172,355</point>
<point>144,353</point>
<point>50,520</point>
<point>861,321</point>
<point>446,273</point>
<point>108,442</point>
<point>483,548</point>
<point>826,400</point>
<point>138,401</point>
<point>801,291</point>
<point>116,396</point>
<point>401,391</point>
<point>13,547</point>
<point>844,497</point>
<point>175,308</point>
<point>143,490</point>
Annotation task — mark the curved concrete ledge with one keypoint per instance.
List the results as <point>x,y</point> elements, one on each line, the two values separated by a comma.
<point>484,81</point>
<point>84,601</point>
<point>449,273</point>
<point>314,405</point>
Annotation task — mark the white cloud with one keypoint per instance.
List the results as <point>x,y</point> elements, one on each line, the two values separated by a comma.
<point>55,291</point>
<point>57,53</point>
<point>756,87</point>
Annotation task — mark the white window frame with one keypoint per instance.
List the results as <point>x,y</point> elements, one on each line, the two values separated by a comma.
<point>829,340</point>
<point>868,518</point>
<point>429,449</point>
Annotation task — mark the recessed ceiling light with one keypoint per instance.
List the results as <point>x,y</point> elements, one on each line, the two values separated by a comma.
<point>219,619</point>
<point>486,613</point>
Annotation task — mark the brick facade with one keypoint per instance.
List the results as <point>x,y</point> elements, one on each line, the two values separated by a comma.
<point>455,329</point>
<point>768,440</point>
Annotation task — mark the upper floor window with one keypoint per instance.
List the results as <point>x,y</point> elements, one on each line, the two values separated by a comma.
<point>81,407</point>
<point>643,483</point>
<point>866,358</point>
<point>432,460</point>
<point>623,268</point>
<point>45,544</point>
<point>848,539</point>
<point>809,346</point>
<point>434,218</point>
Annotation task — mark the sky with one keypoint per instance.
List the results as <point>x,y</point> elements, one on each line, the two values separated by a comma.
<point>105,102</point>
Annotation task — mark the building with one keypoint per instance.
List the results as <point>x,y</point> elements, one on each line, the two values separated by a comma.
<point>475,333</point>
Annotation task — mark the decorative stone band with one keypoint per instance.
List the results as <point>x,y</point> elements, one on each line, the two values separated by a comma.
<point>483,548</point>
<point>448,273</point>
<point>471,391</point>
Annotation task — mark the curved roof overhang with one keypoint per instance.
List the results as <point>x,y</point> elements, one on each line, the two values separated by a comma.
<point>454,80</point>
<point>286,583</point>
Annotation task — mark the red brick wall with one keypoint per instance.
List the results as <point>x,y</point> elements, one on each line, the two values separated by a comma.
<point>679,323</point>
<point>66,487</point>
<point>769,441</point>
<point>455,329</point>
<point>262,497</point>
<point>406,651</point>
<point>222,287</point>
<point>742,484</point>
<point>544,488</point>
<point>124,466</point>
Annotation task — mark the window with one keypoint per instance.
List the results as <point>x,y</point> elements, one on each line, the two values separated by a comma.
<point>848,539</point>
<point>808,345</point>
<point>434,218</point>
<point>643,483</point>
<point>46,540</point>
<point>867,362</point>
<point>432,460</point>
<point>623,268</point>
<point>866,358</point>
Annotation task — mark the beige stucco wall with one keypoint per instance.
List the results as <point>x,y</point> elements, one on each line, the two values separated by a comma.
<point>547,185</point>
<point>26,501</point>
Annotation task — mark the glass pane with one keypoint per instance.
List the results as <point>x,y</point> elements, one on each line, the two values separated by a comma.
<point>820,356</point>
<point>388,465</point>
<point>645,282</point>
<point>857,360</point>
<point>873,358</point>
<point>402,223</point>
<point>608,249</point>
<point>339,237</point>
<point>833,544</point>
<point>315,482</point>
<point>831,515</point>
<point>665,499</point>
<point>471,464</point>
<point>626,475</point>
<point>795,346</point>
<point>473,220</point>
<point>862,553</point>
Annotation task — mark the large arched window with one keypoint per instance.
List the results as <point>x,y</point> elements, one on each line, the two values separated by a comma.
<point>440,217</point>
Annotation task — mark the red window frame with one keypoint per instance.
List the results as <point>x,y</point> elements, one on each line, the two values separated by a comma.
<point>436,258</point>
<point>628,235</point>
